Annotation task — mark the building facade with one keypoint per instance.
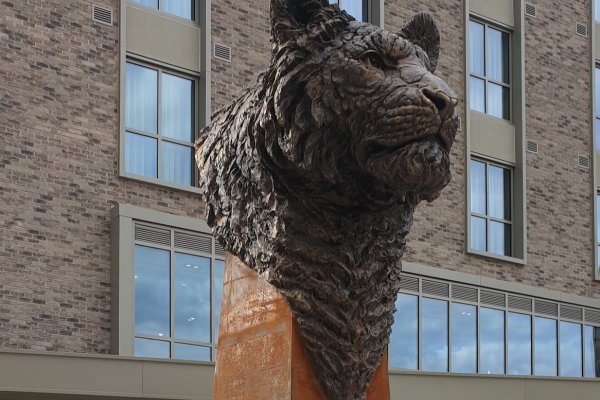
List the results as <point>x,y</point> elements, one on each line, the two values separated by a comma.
<point>110,279</point>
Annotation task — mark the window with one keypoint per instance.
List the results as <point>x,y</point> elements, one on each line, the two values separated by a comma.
<point>167,275</point>
<point>597,10</point>
<point>597,104</point>
<point>359,9</point>
<point>491,208</point>
<point>160,124</point>
<point>489,65</point>
<point>181,8</point>
<point>177,294</point>
<point>597,234</point>
<point>472,330</point>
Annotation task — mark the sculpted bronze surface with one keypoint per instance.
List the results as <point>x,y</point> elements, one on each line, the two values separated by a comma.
<point>311,176</point>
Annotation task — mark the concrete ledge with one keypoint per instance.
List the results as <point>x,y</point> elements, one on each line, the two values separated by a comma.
<point>419,385</point>
<point>46,375</point>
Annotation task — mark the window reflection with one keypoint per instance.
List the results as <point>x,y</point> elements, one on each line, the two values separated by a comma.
<point>491,348</point>
<point>591,351</point>
<point>545,340</point>
<point>192,298</point>
<point>219,268</point>
<point>404,338</point>
<point>191,352</point>
<point>434,336</point>
<point>570,349</point>
<point>464,338</point>
<point>152,305</point>
<point>519,344</point>
<point>151,348</point>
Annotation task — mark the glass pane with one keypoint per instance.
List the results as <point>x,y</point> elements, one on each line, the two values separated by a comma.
<point>598,256</point>
<point>177,102</point>
<point>152,281</point>
<point>478,192</point>
<point>591,351</point>
<point>464,338</point>
<point>140,155</point>
<point>499,192</point>
<point>491,348</point>
<point>597,10</point>
<point>477,94</point>
<point>500,238</point>
<point>434,337</point>
<point>404,338</point>
<point>597,132</point>
<point>476,48</point>
<point>570,349</point>
<point>219,267</point>
<point>597,89</point>
<point>176,163</point>
<point>191,352</point>
<point>545,347</point>
<point>141,98</point>
<point>356,8</point>
<point>598,218</point>
<point>151,348</point>
<point>478,234</point>
<point>181,8</point>
<point>498,60</point>
<point>192,297</point>
<point>147,3</point>
<point>519,344</point>
<point>498,101</point>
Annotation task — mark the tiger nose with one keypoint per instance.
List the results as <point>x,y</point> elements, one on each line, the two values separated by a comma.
<point>444,104</point>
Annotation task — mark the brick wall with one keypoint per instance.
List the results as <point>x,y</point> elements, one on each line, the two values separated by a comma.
<point>59,131</point>
<point>558,196</point>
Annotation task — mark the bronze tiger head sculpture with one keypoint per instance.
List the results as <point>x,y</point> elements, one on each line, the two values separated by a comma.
<point>312,175</point>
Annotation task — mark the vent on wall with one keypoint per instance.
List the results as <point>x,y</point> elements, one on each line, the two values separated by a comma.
<point>532,146</point>
<point>201,243</point>
<point>221,52</point>
<point>581,29</point>
<point>409,284</point>
<point>152,235</point>
<point>492,298</point>
<point>459,124</point>
<point>583,161</point>
<point>530,10</point>
<point>435,288</point>
<point>102,15</point>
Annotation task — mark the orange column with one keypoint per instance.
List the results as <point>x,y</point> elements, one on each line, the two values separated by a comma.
<point>260,354</point>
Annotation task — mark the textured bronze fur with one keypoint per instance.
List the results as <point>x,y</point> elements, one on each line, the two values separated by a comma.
<point>311,176</point>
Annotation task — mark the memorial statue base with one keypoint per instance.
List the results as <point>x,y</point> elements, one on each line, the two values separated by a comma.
<point>260,354</point>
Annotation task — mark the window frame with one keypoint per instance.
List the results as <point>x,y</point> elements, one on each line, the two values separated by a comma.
<point>160,69</point>
<point>159,11</point>
<point>486,26</point>
<point>124,218</point>
<point>173,250</point>
<point>487,217</point>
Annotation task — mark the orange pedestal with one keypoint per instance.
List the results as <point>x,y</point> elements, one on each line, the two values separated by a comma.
<point>260,355</point>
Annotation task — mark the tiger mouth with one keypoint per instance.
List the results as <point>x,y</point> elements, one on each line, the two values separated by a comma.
<point>444,142</point>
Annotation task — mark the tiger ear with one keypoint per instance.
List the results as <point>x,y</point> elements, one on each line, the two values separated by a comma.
<point>422,31</point>
<point>290,16</point>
